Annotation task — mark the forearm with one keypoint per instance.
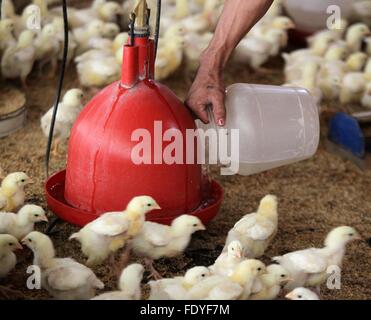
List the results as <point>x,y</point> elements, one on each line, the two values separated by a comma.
<point>237,18</point>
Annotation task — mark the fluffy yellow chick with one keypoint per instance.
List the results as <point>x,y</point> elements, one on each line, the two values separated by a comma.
<point>107,234</point>
<point>63,278</point>
<point>8,10</point>
<point>302,294</point>
<point>335,33</point>
<point>6,34</point>
<point>8,260</point>
<point>169,57</point>
<point>308,267</point>
<point>356,61</point>
<point>256,230</point>
<point>68,110</point>
<point>12,187</point>
<point>227,262</point>
<point>83,34</point>
<point>120,40</point>
<point>155,241</point>
<point>18,60</point>
<point>355,35</point>
<point>177,288</point>
<point>236,287</point>
<point>352,87</point>
<point>110,30</point>
<point>269,284</point>
<point>22,223</point>
<point>129,285</point>
<point>47,47</point>
<point>280,22</point>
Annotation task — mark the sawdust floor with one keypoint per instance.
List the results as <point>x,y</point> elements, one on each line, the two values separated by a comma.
<point>314,196</point>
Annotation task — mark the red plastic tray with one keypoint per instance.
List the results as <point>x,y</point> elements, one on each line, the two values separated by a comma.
<point>54,189</point>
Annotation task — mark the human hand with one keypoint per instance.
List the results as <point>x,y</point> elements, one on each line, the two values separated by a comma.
<point>207,91</point>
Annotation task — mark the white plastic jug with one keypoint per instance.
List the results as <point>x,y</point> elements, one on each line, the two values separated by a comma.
<point>275,126</point>
<point>312,15</point>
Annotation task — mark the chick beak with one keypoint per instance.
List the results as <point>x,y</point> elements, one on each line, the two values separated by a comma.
<point>202,227</point>
<point>239,254</point>
<point>358,237</point>
<point>291,25</point>
<point>45,219</point>
<point>30,181</point>
<point>156,207</point>
<point>23,241</point>
<point>289,296</point>
<point>18,246</point>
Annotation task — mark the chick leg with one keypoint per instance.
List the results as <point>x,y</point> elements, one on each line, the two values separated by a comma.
<point>154,273</point>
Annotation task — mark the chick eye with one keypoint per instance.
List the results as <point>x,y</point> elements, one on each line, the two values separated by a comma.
<point>259,269</point>
<point>203,275</point>
<point>282,275</point>
<point>29,240</point>
<point>299,296</point>
<point>232,249</point>
<point>148,204</point>
<point>195,225</point>
<point>36,215</point>
<point>10,244</point>
<point>23,180</point>
<point>350,234</point>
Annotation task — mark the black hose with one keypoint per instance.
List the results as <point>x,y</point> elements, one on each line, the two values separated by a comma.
<point>157,30</point>
<point>59,88</point>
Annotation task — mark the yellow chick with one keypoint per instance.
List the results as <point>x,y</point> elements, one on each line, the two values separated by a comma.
<point>82,35</point>
<point>47,47</point>
<point>12,187</point>
<point>308,267</point>
<point>352,87</point>
<point>356,61</point>
<point>336,32</point>
<point>68,110</point>
<point>256,230</point>
<point>120,40</point>
<point>280,22</point>
<point>169,58</point>
<point>18,60</point>
<point>236,287</point>
<point>355,35</point>
<point>227,262</point>
<point>177,288</point>
<point>108,233</point>
<point>6,34</point>
<point>8,260</point>
<point>269,284</point>
<point>129,285</point>
<point>110,30</point>
<point>63,278</point>
<point>302,294</point>
<point>22,223</point>
<point>155,241</point>
<point>7,10</point>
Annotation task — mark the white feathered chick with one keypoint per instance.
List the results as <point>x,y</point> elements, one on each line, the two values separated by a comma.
<point>68,110</point>
<point>256,230</point>
<point>177,288</point>
<point>156,241</point>
<point>22,223</point>
<point>63,278</point>
<point>107,234</point>
<point>302,294</point>
<point>227,262</point>
<point>12,188</point>
<point>129,285</point>
<point>8,260</point>
<point>308,267</point>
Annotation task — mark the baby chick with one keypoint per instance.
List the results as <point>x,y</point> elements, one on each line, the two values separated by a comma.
<point>6,34</point>
<point>155,241</point>
<point>352,87</point>
<point>68,110</point>
<point>236,287</point>
<point>129,285</point>
<point>366,98</point>
<point>17,60</point>
<point>63,278</point>
<point>309,267</point>
<point>47,47</point>
<point>269,284</point>
<point>8,259</point>
<point>107,234</point>
<point>355,35</point>
<point>177,288</point>
<point>83,34</point>
<point>302,294</point>
<point>22,223</point>
<point>12,187</point>
<point>256,230</point>
<point>227,262</point>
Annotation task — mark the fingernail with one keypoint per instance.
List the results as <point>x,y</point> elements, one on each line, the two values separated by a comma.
<point>221,122</point>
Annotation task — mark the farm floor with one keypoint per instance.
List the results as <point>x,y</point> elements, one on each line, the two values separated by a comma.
<point>314,196</point>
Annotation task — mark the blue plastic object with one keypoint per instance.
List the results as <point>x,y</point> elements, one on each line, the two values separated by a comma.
<point>345,131</point>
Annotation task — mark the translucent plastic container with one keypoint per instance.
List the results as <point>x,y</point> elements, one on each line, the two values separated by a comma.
<point>275,126</point>
<point>312,15</point>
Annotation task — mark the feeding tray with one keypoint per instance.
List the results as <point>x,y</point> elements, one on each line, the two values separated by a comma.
<point>54,189</point>
<point>12,110</point>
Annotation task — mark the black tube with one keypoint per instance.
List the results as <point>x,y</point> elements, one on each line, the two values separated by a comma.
<point>59,88</point>
<point>157,30</point>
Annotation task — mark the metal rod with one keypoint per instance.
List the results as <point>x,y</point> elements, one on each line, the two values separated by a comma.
<point>59,87</point>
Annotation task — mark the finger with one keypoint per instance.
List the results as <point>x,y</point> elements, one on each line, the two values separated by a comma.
<point>199,111</point>
<point>219,112</point>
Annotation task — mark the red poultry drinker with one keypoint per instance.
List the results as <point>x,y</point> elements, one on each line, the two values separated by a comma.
<point>101,175</point>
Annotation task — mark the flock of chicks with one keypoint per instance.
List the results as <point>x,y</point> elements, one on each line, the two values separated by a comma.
<point>336,66</point>
<point>96,38</point>
<point>236,273</point>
